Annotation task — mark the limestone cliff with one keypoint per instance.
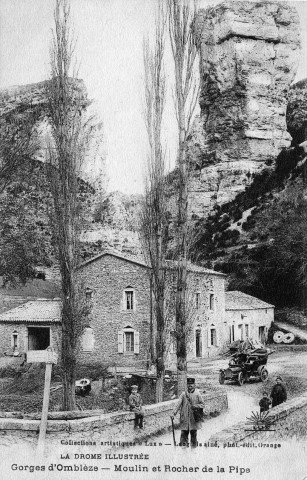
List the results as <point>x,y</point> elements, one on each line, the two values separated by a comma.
<point>109,222</point>
<point>249,52</point>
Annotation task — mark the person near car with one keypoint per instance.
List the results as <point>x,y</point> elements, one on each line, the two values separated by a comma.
<point>265,402</point>
<point>278,393</point>
<point>187,402</point>
<point>135,404</point>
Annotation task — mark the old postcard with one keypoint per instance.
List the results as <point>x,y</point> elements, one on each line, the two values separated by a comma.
<point>153,212</point>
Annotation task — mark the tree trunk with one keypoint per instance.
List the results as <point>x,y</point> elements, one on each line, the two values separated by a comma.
<point>160,364</point>
<point>69,376</point>
<point>182,265</point>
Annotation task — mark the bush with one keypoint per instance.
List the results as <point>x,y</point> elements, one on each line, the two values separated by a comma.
<point>293,316</point>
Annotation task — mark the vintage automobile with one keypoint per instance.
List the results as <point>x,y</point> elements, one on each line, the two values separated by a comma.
<point>245,364</point>
<point>83,387</point>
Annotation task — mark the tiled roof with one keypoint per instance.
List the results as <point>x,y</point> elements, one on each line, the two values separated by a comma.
<point>128,258</point>
<point>241,301</point>
<point>37,311</point>
<point>171,264</point>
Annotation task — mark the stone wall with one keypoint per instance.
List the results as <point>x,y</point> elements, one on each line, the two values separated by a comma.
<point>258,317</point>
<point>204,317</point>
<point>289,421</point>
<point>108,277</point>
<point>117,426</point>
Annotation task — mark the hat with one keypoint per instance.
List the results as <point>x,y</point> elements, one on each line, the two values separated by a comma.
<point>191,381</point>
<point>279,378</point>
<point>133,387</point>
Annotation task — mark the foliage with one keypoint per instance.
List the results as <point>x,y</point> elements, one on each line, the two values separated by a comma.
<point>297,112</point>
<point>292,315</point>
<point>153,213</point>
<point>275,268</point>
<point>181,16</point>
<point>68,145</point>
<point>23,245</point>
<point>18,140</point>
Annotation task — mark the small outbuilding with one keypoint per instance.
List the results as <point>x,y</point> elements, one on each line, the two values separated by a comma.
<point>247,317</point>
<point>35,325</point>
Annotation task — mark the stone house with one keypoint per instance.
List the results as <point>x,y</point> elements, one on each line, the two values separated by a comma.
<point>121,324</point>
<point>247,316</point>
<point>119,330</point>
<point>35,325</point>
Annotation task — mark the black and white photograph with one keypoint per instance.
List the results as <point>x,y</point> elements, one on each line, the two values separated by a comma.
<point>153,239</point>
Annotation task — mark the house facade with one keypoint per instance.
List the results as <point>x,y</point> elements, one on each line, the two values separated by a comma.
<point>247,316</point>
<point>35,325</point>
<point>121,323</point>
<point>118,331</point>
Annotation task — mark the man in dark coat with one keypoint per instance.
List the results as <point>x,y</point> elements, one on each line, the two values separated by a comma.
<point>186,404</point>
<point>278,393</point>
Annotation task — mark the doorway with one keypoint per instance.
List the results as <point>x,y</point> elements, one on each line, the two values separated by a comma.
<point>38,338</point>
<point>198,342</point>
<point>262,334</point>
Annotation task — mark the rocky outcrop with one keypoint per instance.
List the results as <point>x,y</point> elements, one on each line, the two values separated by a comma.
<point>18,98</point>
<point>31,100</point>
<point>115,225</point>
<point>249,52</point>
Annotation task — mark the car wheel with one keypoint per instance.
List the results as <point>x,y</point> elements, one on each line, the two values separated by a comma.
<point>240,378</point>
<point>222,378</point>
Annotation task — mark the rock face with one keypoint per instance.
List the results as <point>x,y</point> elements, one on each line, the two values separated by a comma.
<point>115,225</point>
<point>249,54</point>
<point>111,223</point>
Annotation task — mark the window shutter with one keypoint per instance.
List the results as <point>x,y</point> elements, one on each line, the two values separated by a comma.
<point>136,342</point>
<point>88,340</point>
<point>209,337</point>
<point>217,338</point>
<point>120,341</point>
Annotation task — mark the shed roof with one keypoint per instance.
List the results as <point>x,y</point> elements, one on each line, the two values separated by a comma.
<point>170,264</point>
<point>236,300</point>
<point>37,311</point>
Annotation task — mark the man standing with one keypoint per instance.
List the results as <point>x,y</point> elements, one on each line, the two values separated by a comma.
<point>278,393</point>
<point>135,404</point>
<point>189,401</point>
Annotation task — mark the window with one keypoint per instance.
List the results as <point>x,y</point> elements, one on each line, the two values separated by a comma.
<point>88,294</point>
<point>240,329</point>
<point>246,330</point>
<point>197,300</point>
<point>211,301</point>
<point>213,337</point>
<point>88,340</point>
<point>129,299</point>
<point>128,341</point>
<point>172,341</point>
<point>14,340</point>
<point>213,340</point>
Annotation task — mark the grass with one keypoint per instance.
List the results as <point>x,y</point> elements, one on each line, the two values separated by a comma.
<point>23,390</point>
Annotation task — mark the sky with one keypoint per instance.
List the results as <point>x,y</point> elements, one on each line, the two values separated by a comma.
<point>109,35</point>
